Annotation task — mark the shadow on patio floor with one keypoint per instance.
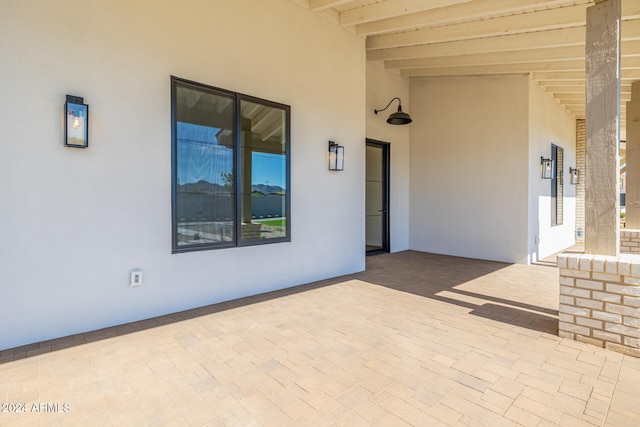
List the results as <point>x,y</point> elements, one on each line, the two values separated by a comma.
<point>472,284</point>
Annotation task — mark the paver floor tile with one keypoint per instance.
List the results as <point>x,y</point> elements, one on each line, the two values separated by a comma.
<point>415,340</point>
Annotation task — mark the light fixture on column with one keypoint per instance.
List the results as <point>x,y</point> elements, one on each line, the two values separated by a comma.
<point>575,176</point>
<point>76,124</point>
<point>336,156</point>
<point>397,118</point>
<point>547,168</point>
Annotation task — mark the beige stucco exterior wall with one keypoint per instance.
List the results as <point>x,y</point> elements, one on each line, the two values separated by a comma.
<point>469,163</point>
<point>75,222</point>
<point>476,189</point>
<point>549,124</point>
<point>382,86</point>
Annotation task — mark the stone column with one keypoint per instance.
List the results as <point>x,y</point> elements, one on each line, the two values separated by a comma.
<point>633,158</point>
<point>602,177</point>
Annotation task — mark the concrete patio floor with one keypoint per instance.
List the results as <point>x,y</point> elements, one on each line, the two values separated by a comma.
<point>418,339</point>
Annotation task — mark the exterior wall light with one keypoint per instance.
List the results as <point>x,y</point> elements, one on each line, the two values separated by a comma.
<point>575,176</point>
<point>397,118</point>
<point>547,168</point>
<point>76,124</point>
<point>336,156</point>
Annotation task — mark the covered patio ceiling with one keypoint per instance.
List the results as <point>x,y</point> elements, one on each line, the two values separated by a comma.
<point>444,38</point>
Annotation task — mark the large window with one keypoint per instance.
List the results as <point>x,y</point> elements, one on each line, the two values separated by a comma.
<point>557,185</point>
<point>230,168</point>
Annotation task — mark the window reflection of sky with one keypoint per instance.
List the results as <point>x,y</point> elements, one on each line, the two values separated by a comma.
<point>268,169</point>
<point>202,158</point>
<point>76,110</point>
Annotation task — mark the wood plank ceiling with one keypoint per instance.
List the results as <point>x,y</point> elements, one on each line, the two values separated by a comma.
<point>443,38</point>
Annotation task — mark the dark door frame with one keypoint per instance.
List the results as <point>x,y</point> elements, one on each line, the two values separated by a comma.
<point>386,162</point>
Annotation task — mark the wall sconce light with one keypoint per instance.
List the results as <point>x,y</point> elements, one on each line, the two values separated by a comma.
<point>547,168</point>
<point>336,156</point>
<point>575,176</point>
<point>397,118</point>
<point>76,124</point>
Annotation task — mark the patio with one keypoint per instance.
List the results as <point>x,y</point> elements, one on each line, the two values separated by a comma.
<point>418,339</point>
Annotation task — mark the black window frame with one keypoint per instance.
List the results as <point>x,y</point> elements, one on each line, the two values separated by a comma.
<point>237,172</point>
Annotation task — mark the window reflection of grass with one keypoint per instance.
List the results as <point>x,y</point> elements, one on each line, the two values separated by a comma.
<point>274,222</point>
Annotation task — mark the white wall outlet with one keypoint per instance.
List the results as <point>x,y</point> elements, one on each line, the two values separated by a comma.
<point>136,278</point>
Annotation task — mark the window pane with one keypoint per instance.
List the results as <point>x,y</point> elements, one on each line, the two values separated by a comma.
<point>264,176</point>
<point>205,193</point>
<point>560,185</point>
<point>557,185</point>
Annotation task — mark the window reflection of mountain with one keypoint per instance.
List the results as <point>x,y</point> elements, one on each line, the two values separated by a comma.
<point>206,201</point>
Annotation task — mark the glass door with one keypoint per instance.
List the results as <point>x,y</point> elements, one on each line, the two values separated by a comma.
<point>377,197</point>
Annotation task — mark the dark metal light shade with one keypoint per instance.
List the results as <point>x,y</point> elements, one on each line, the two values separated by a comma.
<point>397,118</point>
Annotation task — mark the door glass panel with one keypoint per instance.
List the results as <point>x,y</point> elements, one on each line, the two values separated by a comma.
<point>374,199</point>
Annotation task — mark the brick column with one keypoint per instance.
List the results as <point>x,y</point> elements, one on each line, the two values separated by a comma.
<point>630,241</point>
<point>600,301</point>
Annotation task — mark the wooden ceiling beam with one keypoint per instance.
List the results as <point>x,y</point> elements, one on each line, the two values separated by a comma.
<point>561,83</point>
<point>542,39</point>
<point>581,109</point>
<point>318,5</point>
<point>579,89</point>
<point>566,89</point>
<point>454,13</point>
<point>629,74</point>
<point>553,19</point>
<point>582,97</point>
<point>510,43</point>
<point>575,65</point>
<point>566,17</point>
<point>559,75</point>
<point>391,9</point>
<point>531,55</point>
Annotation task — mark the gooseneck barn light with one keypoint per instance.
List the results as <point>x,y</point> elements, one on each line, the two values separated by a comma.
<point>399,117</point>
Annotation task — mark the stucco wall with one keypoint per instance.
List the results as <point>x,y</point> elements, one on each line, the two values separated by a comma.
<point>382,86</point>
<point>549,123</point>
<point>469,148</point>
<point>75,222</point>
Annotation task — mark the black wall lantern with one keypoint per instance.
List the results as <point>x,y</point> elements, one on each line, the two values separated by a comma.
<point>336,156</point>
<point>547,168</point>
<point>575,176</point>
<point>76,124</point>
<point>397,118</point>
